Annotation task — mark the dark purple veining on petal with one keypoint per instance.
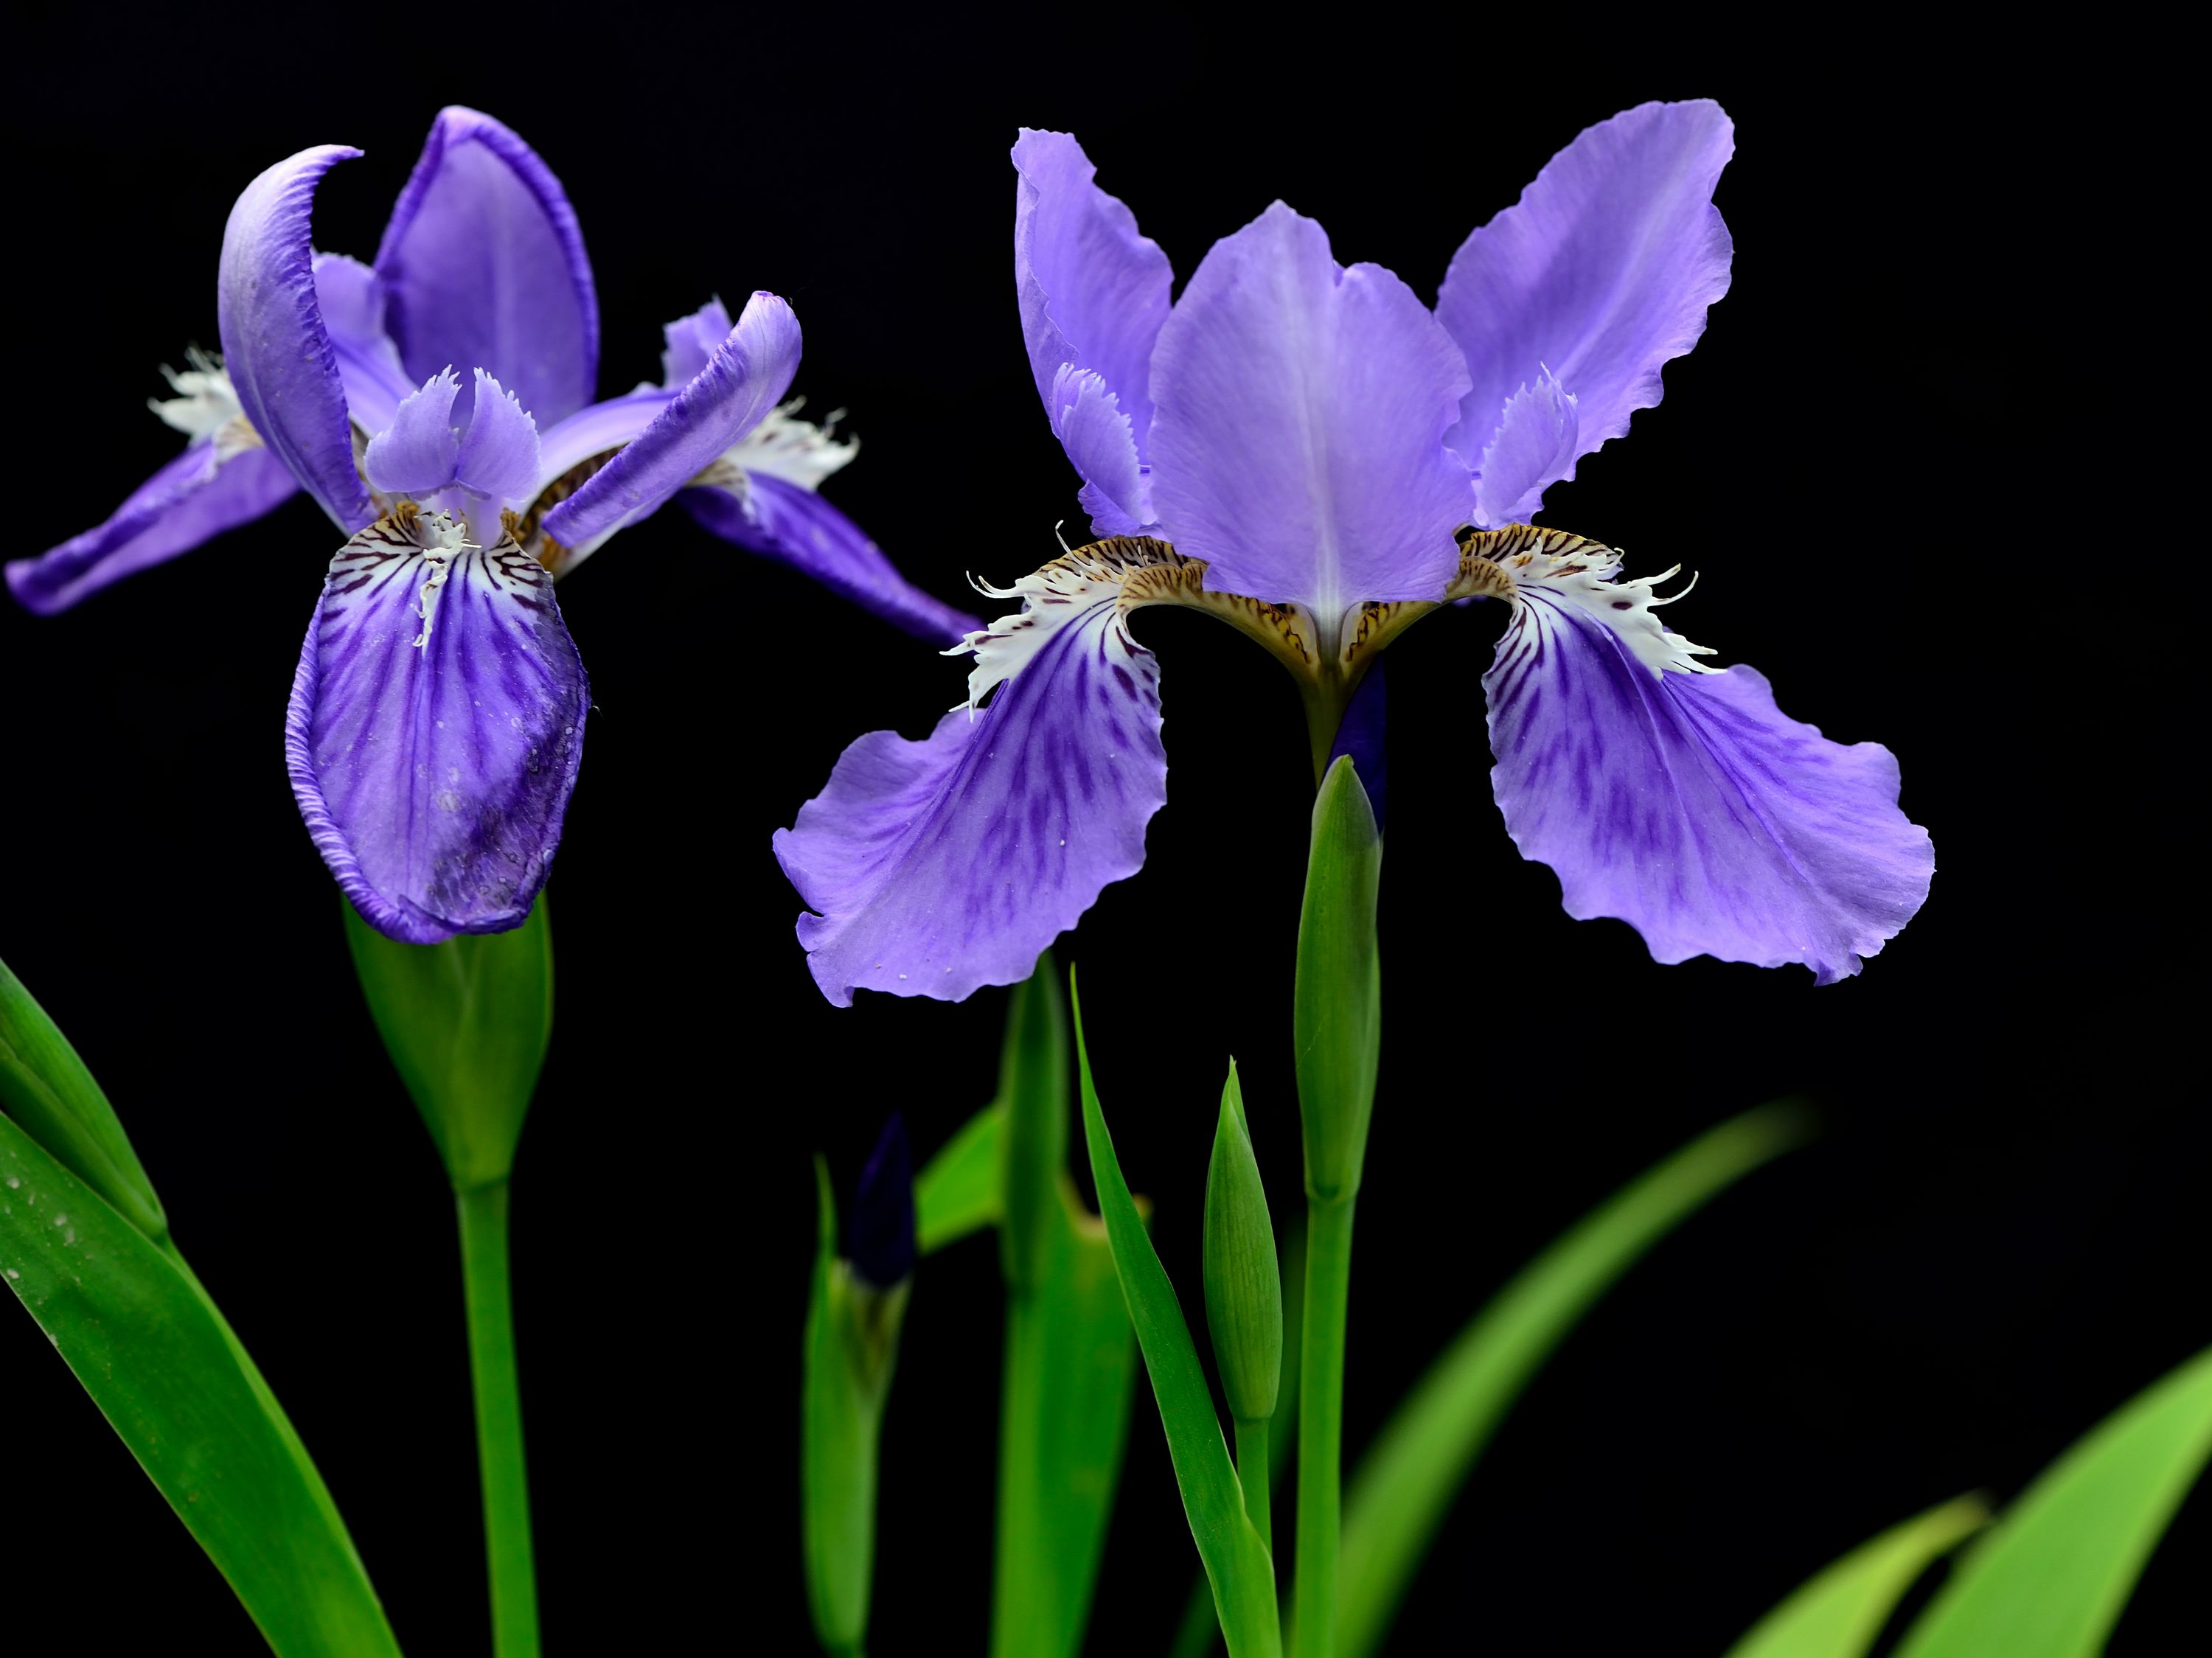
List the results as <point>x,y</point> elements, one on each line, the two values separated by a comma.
<point>434,776</point>
<point>1690,806</point>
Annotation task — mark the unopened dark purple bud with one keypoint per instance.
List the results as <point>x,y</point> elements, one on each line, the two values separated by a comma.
<point>880,1242</point>
<point>1361,736</point>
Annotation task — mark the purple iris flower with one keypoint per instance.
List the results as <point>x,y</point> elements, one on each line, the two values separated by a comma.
<point>1312,454</point>
<point>439,406</point>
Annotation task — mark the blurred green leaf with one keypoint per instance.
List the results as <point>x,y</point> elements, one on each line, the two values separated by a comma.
<point>2052,1576</point>
<point>1405,1483</point>
<point>1033,1092</point>
<point>958,1191</point>
<point>173,1380</point>
<point>1838,1613</point>
<point>46,1089</point>
<point>1071,1358</point>
<point>1236,1562</point>
<point>466,1023</point>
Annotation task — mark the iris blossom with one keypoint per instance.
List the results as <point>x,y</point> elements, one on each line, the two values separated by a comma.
<point>439,406</point>
<point>1313,455</point>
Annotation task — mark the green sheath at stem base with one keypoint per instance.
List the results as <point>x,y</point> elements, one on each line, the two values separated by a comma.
<point>499,1420</point>
<point>1321,1421</point>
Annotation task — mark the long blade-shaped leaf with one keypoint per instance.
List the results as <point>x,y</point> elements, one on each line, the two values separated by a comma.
<point>169,1375</point>
<point>2054,1574</point>
<point>1236,1562</point>
<point>958,1191</point>
<point>1070,1365</point>
<point>1407,1481</point>
<point>1070,1357</point>
<point>1838,1613</point>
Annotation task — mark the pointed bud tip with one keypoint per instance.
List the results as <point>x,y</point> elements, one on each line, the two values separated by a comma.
<point>880,1242</point>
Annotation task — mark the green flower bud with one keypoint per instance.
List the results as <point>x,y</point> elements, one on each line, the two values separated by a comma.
<point>852,1322</point>
<point>1244,1281</point>
<point>1335,1019</point>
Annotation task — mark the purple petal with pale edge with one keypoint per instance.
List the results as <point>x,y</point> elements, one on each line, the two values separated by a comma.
<point>1603,271</point>
<point>484,267</point>
<point>1297,444</point>
<point>1087,419</point>
<point>499,455</point>
<point>940,866</point>
<point>796,526</point>
<point>690,341</point>
<point>352,302</point>
<point>192,499</point>
<point>1691,807</point>
<point>1092,290</point>
<point>274,345</point>
<point>595,431</point>
<point>434,779</point>
<point>746,377</point>
<point>415,453</point>
<point>1535,448</point>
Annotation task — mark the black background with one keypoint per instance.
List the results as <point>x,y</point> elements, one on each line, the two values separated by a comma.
<point>1881,459</point>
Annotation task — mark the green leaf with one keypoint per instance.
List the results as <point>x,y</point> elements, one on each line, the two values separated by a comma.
<point>1071,1358</point>
<point>1236,1562</point>
<point>46,1089</point>
<point>466,1023</point>
<point>958,1191</point>
<point>1033,1145</point>
<point>1071,1364</point>
<point>1838,1613</point>
<point>1336,1012</point>
<point>171,1379</point>
<point>1405,1483</point>
<point>2055,1572</point>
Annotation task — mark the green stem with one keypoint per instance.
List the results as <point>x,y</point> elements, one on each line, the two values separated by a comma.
<point>499,1420</point>
<point>1252,1473</point>
<point>1321,1421</point>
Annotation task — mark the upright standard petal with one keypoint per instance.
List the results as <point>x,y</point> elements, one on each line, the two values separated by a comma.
<point>781,521</point>
<point>352,302</point>
<point>192,499</point>
<point>1092,290</point>
<point>1297,444</point>
<point>484,265</point>
<point>1683,802</point>
<point>740,385</point>
<point>938,866</point>
<point>436,722</point>
<point>1603,271</point>
<point>274,346</point>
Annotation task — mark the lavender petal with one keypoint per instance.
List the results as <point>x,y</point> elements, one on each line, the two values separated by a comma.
<point>1092,290</point>
<point>1297,444</point>
<point>435,727</point>
<point>415,453</point>
<point>1601,273</point>
<point>499,455</point>
<point>690,341</point>
<point>1533,448</point>
<point>483,265</point>
<point>274,346</point>
<point>746,377</point>
<point>189,502</point>
<point>352,303</point>
<point>1691,807</point>
<point>938,866</point>
<point>780,520</point>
